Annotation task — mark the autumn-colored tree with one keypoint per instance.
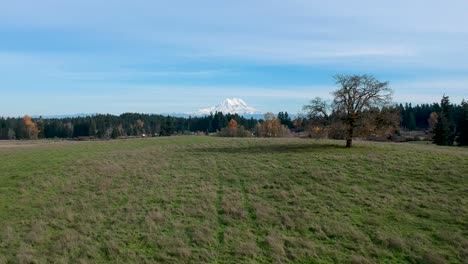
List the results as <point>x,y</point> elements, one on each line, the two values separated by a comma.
<point>276,127</point>
<point>31,127</point>
<point>140,123</point>
<point>378,123</point>
<point>271,127</point>
<point>139,127</point>
<point>318,132</point>
<point>233,127</point>
<point>433,120</point>
<point>269,116</point>
<point>298,123</point>
<point>234,130</point>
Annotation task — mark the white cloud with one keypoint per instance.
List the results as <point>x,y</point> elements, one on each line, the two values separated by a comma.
<point>428,91</point>
<point>456,85</point>
<point>296,31</point>
<point>182,41</point>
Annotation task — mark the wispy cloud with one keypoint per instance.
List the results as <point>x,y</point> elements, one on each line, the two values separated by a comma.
<point>455,85</point>
<point>173,55</point>
<point>428,91</point>
<point>134,74</point>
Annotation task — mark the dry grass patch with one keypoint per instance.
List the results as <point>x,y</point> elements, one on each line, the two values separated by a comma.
<point>203,236</point>
<point>220,200</point>
<point>233,207</point>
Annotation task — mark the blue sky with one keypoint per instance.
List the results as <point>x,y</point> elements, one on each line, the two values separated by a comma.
<point>65,57</point>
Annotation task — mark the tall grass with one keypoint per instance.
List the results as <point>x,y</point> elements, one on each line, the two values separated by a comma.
<point>223,200</point>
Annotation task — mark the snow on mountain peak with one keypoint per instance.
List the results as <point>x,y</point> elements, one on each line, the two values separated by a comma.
<point>231,106</point>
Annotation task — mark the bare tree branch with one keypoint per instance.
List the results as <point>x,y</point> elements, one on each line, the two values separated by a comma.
<point>356,94</point>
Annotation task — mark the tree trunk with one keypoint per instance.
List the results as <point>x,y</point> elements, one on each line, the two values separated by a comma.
<point>349,136</point>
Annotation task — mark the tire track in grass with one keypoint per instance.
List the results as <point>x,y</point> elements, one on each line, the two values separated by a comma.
<point>220,214</point>
<point>248,207</point>
<point>252,216</point>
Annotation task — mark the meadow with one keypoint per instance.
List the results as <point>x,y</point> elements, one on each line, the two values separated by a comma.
<point>227,200</point>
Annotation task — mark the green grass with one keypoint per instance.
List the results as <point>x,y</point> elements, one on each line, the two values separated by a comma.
<point>219,200</point>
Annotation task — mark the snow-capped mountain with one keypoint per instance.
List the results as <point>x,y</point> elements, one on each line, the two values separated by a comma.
<point>231,106</point>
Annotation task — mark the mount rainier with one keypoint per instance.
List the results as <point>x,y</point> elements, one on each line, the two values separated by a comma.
<point>231,106</point>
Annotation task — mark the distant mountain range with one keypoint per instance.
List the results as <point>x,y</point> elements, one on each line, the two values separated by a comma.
<point>227,106</point>
<point>230,106</point>
<point>62,116</point>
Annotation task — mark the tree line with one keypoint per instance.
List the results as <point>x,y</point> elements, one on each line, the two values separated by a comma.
<point>113,126</point>
<point>361,108</point>
<point>446,121</point>
<point>450,123</point>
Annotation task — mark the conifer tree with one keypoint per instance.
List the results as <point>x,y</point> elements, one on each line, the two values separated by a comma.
<point>115,133</point>
<point>443,132</point>
<point>462,127</point>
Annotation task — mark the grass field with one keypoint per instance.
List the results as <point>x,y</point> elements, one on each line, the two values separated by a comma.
<point>219,200</point>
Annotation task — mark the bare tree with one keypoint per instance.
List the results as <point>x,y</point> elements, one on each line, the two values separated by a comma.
<point>317,108</point>
<point>356,94</point>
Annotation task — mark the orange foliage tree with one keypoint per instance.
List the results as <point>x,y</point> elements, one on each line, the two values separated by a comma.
<point>140,127</point>
<point>271,127</point>
<point>31,127</point>
<point>233,128</point>
<point>433,120</point>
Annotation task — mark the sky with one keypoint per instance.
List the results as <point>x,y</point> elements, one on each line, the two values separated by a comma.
<point>149,56</point>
